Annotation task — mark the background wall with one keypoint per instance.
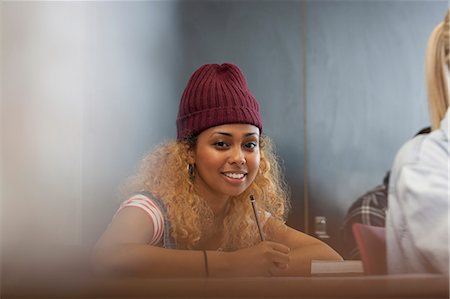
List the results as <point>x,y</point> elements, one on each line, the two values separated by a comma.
<point>89,87</point>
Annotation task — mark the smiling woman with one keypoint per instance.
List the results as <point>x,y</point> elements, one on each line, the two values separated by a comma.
<point>188,212</point>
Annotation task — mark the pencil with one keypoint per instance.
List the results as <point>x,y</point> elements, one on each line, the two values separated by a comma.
<point>252,200</point>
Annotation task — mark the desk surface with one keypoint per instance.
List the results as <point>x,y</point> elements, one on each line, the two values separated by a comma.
<point>70,278</point>
<point>396,286</point>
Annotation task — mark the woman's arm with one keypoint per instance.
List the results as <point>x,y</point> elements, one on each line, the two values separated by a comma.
<point>123,250</point>
<point>304,249</point>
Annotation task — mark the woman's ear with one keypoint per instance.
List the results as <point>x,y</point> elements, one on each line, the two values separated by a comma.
<point>191,156</point>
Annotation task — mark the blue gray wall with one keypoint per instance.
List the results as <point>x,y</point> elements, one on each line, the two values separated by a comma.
<point>89,87</point>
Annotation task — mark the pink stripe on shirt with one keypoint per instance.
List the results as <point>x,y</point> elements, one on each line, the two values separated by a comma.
<point>153,211</point>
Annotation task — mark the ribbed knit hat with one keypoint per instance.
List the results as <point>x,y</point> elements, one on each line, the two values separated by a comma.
<point>216,95</point>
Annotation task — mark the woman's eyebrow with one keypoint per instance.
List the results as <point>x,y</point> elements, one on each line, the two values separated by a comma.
<point>231,135</point>
<point>223,133</point>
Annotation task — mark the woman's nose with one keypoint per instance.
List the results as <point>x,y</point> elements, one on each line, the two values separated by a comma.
<point>237,156</point>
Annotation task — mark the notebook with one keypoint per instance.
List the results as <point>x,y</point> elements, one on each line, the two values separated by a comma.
<point>336,268</point>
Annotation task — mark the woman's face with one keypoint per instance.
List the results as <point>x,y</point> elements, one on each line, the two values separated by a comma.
<point>226,160</point>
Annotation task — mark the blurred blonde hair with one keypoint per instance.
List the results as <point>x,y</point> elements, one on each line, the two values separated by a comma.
<point>164,173</point>
<point>437,67</point>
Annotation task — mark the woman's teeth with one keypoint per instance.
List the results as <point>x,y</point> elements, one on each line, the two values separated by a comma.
<point>234,175</point>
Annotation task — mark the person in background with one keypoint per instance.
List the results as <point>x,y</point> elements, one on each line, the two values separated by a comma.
<point>368,209</point>
<point>417,223</point>
<point>189,209</point>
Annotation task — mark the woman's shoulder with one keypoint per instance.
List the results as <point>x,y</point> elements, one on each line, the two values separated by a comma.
<point>409,152</point>
<point>145,199</point>
<point>429,150</point>
<point>421,161</point>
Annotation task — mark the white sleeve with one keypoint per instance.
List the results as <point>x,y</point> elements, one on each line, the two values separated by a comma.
<point>153,211</point>
<point>423,194</point>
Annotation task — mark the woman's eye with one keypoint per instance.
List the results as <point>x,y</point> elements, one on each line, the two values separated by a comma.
<point>221,144</point>
<point>250,145</point>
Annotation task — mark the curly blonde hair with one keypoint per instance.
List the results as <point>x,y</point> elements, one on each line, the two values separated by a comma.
<point>437,64</point>
<point>164,173</point>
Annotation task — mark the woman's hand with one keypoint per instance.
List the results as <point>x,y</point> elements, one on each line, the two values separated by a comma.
<point>265,259</point>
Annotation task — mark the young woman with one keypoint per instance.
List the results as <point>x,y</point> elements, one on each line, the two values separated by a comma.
<point>189,212</point>
<point>417,223</point>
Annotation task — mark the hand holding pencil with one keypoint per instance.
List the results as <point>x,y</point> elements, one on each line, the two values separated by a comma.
<point>264,259</point>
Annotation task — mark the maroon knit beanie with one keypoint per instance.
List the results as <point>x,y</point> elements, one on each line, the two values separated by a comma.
<point>216,95</point>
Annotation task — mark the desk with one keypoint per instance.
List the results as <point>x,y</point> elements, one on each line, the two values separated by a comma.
<point>69,276</point>
<point>395,286</point>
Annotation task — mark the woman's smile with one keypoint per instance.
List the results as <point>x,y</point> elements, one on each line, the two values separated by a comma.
<point>235,177</point>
